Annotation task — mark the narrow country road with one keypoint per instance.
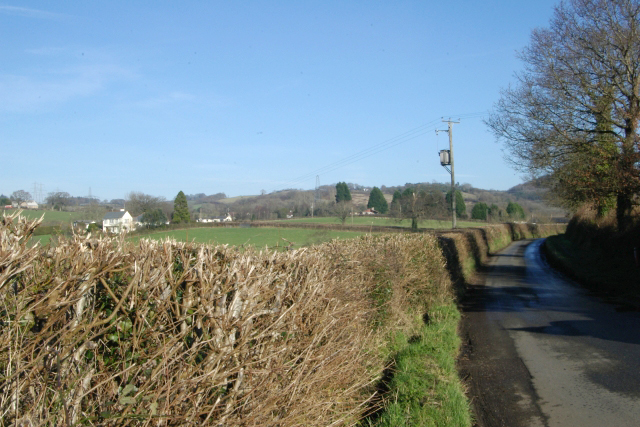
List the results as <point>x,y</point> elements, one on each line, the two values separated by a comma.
<point>541,351</point>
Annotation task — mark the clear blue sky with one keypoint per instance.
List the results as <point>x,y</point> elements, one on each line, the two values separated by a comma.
<point>239,97</point>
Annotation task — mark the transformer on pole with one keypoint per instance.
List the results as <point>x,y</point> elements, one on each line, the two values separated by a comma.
<point>446,159</point>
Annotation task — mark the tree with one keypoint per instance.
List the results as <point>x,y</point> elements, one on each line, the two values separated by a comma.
<point>377,201</point>
<point>342,210</point>
<point>4,200</point>
<point>395,208</point>
<point>20,196</point>
<point>494,213</point>
<point>573,114</point>
<point>138,203</point>
<point>416,205</point>
<point>461,208</point>
<point>93,228</point>
<point>342,192</point>
<point>154,218</point>
<point>479,211</point>
<point>58,199</point>
<point>515,211</point>
<point>180,209</point>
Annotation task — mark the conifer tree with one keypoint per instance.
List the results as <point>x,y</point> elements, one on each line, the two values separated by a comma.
<point>377,201</point>
<point>342,192</point>
<point>180,209</point>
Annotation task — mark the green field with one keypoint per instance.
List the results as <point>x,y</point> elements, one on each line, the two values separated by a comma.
<point>257,237</point>
<point>49,216</point>
<point>43,239</point>
<point>389,222</point>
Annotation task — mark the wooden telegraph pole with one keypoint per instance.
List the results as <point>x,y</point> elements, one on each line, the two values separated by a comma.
<point>446,159</point>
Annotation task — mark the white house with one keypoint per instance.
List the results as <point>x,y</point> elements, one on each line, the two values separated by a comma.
<point>82,223</point>
<point>227,218</point>
<point>117,222</point>
<point>29,205</point>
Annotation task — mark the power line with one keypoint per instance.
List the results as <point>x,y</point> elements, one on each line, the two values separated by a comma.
<point>385,145</point>
<point>375,149</point>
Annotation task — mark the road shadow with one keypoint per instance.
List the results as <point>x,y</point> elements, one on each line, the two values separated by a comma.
<point>597,327</point>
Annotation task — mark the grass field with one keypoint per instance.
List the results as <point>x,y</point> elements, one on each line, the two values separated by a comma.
<point>44,239</point>
<point>258,237</point>
<point>372,220</point>
<point>49,216</point>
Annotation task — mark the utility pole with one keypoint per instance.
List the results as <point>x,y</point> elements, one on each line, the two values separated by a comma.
<point>315,195</point>
<point>446,159</point>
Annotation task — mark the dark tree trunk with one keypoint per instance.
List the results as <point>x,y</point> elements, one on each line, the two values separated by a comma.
<point>414,223</point>
<point>623,211</point>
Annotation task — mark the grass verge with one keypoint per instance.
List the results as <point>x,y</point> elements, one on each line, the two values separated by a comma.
<point>424,389</point>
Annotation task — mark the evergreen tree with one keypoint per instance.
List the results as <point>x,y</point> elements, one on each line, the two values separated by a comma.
<point>377,201</point>
<point>461,209</point>
<point>342,192</point>
<point>180,209</point>
<point>479,211</point>
<point>515,211</point>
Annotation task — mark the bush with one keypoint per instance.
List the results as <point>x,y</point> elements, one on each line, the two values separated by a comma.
<point>479,211</point>
<point>515,211</point>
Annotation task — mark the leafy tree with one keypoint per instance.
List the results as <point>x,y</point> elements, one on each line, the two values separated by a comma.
<point>4,200</point>
<point>342,192</point>
<point>154,218</point>
<point>180,209</point>
<point>461,209</point>
<point>479,211</point>
<point>377,201</point>
<point>574,113</point>
<point>20,196</point>
<point>515,211</point>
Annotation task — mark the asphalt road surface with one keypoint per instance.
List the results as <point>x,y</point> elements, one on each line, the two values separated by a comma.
<point>541,351</point>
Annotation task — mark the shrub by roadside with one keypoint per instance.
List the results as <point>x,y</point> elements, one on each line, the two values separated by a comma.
<point>596,253</point>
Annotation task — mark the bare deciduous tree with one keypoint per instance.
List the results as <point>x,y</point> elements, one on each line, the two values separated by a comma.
<point>20,196</point>
<point>58,198</point>
<point>417,204</point>
<point>342,210</point>
<point>138,203</point>
<point>574,111</point>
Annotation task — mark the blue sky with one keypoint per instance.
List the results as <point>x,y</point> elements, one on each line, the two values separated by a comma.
<point>239,97</point>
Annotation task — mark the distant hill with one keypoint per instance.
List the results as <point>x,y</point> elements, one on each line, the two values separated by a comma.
<point>533,190</point>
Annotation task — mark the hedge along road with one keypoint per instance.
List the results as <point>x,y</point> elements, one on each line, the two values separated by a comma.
<point>541,351</point>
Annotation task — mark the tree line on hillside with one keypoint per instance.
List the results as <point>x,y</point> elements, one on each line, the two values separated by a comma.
<point>414,201</point>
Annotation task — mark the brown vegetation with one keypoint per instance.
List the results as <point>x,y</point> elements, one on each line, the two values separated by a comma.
<point>100,331</point>
<point>600,255</point>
